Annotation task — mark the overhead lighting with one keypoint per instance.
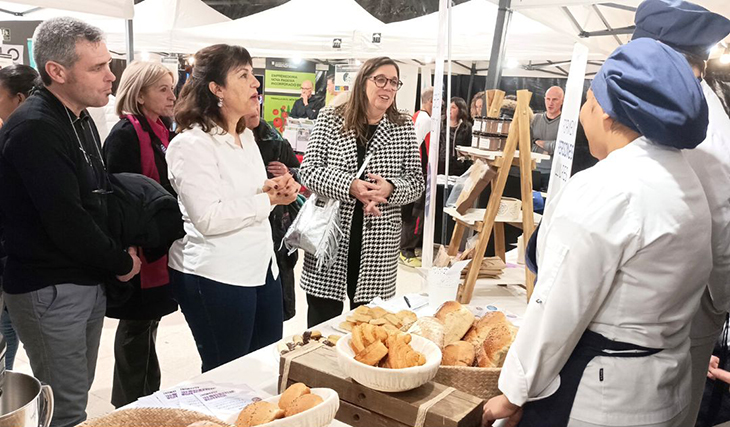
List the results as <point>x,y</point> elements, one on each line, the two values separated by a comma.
<point>358,62</point>
<point>191,60</point>
<point>145,56</point>
<point>296,60</point>
<point>429,60</point>
<point>725,58</point>
<point>512,63</point>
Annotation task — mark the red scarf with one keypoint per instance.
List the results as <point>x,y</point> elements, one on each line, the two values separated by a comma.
<point>152,274</point>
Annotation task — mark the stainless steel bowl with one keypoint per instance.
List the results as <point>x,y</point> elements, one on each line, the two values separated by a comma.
<point>25,402</point>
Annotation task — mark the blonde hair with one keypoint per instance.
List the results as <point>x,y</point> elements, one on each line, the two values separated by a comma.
<point>137,77</point>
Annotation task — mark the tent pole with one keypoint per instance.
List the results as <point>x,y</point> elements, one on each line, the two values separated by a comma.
<point>447,125</point>
<point>496,58</point>
<point>129,29</point>
<point>471,84</point>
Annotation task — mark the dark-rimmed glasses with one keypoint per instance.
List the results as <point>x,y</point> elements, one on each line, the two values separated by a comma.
<point>380,81</point>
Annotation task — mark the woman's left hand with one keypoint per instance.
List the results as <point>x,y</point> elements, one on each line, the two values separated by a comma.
<point>384,188</point>
<point>277,168</point>
<point>499,407</point>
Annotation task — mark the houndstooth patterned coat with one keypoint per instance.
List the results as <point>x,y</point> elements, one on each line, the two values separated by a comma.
<point>328,169</point>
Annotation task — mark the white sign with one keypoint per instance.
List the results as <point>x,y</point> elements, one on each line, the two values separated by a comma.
<point>345,77</point>
<point>14,50</point>
<point>565,143</point>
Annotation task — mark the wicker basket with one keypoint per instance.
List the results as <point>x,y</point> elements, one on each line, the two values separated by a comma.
<point>479,382</point>
<point>150,417</point>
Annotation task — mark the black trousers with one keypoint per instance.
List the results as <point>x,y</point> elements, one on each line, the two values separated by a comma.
<point>412,232</point>
<point>136,368</point>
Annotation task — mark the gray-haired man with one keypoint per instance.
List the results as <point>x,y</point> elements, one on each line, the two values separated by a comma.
<point>53,189</point>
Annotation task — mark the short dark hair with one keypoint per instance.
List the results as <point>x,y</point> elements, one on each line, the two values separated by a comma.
<point>55,40</point>
<point>19,78</point>
<point>197,105</point>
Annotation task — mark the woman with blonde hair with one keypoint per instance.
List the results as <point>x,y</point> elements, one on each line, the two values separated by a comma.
<point>368,127</point>
<point>137,144</point>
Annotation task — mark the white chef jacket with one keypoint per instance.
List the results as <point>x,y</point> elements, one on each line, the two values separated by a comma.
<point>711,162</point>
<point>623,250</point>
<point>225,213</point>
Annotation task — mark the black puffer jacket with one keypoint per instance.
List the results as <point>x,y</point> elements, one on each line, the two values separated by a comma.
<point>143,214</point>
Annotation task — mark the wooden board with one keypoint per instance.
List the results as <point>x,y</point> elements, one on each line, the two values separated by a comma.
<point>319,368</point>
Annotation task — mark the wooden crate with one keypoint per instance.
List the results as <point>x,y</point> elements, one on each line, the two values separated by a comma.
<point>362,406</point>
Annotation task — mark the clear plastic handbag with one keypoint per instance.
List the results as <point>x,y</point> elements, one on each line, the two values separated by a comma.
<point>317,228</point>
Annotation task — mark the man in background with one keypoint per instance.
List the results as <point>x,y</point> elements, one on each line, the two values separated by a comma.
<point>544,130</point>
<point>308,106</point>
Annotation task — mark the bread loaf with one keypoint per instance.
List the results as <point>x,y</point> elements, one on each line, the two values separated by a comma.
<point>492,352</point>
<point>478,333</point>
<point>259,413</point>
<point>303,403</point>
<point>457,320</point>
<point>291,393</point>
<point>430,328</point>
<point>460,353</point>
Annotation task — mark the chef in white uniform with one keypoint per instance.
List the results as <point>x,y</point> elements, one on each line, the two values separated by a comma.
<point>623,252</point>
<point>693,31</point>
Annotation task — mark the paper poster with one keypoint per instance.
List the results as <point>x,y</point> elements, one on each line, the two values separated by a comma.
<point>283,80</point>
<point>565,143</point>
<point>345,77</point>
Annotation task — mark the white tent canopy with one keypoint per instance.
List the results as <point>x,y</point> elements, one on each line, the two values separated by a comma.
<point>156,23</point>
<point>588,16</point>
<point>472,34</point>
<point>303,28</point>
<point>115,8</point>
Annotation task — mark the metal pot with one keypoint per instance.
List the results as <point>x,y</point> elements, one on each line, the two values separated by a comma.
<point>25,402</point>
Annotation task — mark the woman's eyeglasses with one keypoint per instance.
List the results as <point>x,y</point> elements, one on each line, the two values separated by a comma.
<point>380,81</point>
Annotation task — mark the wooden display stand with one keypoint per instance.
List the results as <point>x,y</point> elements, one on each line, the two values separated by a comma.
<point>519,137</point>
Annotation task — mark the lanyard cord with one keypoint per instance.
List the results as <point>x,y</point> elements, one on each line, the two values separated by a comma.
<point>81,146</point>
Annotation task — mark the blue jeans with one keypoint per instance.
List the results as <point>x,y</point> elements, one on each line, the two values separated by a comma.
<point>229,321</point>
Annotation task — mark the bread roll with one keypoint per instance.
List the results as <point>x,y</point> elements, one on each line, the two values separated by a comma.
<point>291,393</point>
<point>303,403</point>
<point>478,333</point>
<point>492,352</point>
<point>457,320</point>
<point>372,354</point>
<point>259,413</point>
<point>205,424</point>
<point>430,328</point>
<point>460,353</point>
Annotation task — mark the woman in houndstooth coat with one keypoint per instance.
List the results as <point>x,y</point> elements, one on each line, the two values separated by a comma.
<point>369,124</point>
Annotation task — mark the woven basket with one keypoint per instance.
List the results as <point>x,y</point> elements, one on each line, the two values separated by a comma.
<point>150,417</point>
<point>479,382</point>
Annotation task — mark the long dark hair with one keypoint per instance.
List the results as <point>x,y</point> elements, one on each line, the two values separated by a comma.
<point>197,105</point>
<point>463,114</point>
<point>18,78</point>
<point>355,110</point>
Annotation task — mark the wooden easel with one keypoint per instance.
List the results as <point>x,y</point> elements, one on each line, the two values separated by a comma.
<point>519,136</point>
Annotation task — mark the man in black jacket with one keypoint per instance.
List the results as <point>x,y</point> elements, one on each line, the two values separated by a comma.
<point>53,190</point>
<point>308,106</point>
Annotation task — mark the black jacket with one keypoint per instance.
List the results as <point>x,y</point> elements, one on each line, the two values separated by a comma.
<point>460,135</point>
<point>143,214</point>
<point>53,202</point>
<point>122,154</point>
<point>309,111</point>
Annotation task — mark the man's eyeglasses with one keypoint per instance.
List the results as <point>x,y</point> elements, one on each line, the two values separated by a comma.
<point>306,88</point>
<point>380,81</point>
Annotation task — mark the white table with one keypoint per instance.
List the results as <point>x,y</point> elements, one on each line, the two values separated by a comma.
<point>260,369</point>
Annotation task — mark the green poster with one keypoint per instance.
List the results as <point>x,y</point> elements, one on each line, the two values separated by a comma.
<point>286,81</point>
<point>276,109</point>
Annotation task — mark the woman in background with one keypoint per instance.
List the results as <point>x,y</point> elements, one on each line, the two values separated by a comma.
<point>137,144</point>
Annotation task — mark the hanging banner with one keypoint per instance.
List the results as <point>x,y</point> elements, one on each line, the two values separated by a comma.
<point>433,151</point>
<point>283,80</point>
<point>565,143</point>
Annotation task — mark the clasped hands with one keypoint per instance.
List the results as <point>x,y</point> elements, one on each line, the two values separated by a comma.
<point>371,193</point>
<point>282,190</point>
